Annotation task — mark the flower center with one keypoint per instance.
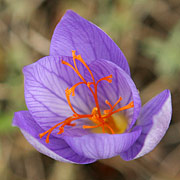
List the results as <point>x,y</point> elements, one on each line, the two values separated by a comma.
<point>107,120</point>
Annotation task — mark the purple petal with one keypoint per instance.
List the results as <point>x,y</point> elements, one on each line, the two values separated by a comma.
<point>75,33</point>
<point>154,120</point>
<point>57,148</point>
<point>121,86</point>
<point>45,84</point>
<point>102,146</point>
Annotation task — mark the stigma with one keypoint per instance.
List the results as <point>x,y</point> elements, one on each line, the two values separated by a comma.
<point>105,120</point>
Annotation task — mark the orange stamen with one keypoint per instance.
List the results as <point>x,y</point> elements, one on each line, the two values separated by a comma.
<point>130,105</point>
<point>67,64</point>
<point>109,127</point>
<point>95,86</point>
<point>117,102</point>
<point>89,83</point>
<point>49,132</point>
<point>78,73</point>
<point>107,78</point>
<point>111,107</point>
<point>90,127</point>
<point>102,121</point>
<point>72,89</point>
<point>64,123</point>
<point>87,67</point>
<point>68,93</point>
<point>108,103</point>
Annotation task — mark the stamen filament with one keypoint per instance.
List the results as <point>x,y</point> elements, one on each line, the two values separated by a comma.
<point>107,78</point>
<point>96,100</point>
<point>49,132</point>
<point>130,105</point>
<point>108,103</point>
<point>82,61</point>
<point>95,86</point>
<point>68,100</point>
<point>117,102</point>
<point>68,64</point>
<point>65,122</point>
<point>77,71</point>
<point>90,127</point>
<point>109,127</point>
<point>89,83</point>
<point>74,87</point>
<point>111,107</point>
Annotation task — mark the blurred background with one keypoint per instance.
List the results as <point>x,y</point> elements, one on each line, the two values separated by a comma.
<point>147,31</point>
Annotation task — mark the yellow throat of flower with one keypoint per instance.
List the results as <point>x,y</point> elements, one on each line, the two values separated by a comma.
<point>110,121</point>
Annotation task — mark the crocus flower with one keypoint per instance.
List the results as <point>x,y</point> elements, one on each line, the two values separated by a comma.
<point>83,104</point>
